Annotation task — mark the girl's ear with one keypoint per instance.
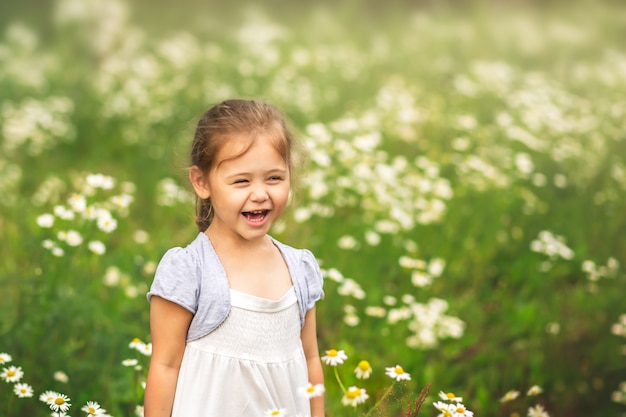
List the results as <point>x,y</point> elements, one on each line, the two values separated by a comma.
<point>199,182</point>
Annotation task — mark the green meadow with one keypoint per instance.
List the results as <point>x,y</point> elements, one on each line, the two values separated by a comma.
<point>462,181</point>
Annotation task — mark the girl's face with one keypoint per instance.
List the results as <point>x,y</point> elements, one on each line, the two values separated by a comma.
<point>248,191</point>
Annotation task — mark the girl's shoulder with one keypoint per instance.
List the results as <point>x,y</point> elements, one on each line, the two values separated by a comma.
<point>177,277</point>
<point>292,253</point>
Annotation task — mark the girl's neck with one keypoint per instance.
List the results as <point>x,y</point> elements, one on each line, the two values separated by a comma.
<point>228,243</point>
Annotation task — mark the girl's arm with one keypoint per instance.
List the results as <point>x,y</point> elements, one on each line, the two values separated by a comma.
<point>169,323</point>
<point>314,364</point>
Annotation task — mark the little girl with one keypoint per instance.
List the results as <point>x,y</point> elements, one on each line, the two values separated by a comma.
<point>232,315</point>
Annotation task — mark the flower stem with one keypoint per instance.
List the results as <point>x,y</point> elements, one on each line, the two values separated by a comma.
<point>380,400</point>
<point>343,389</point>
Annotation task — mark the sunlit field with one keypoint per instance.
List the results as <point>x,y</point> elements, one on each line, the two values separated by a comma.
<point>462,181</point>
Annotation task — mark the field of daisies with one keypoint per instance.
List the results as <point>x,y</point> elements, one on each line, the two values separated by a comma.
<point>463,187</point>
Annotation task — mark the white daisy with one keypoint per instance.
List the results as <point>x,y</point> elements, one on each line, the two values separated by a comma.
<point>107,224</point>
<point>275,412</point>
<point>363,370</point>
<point>537,411</point>
<point>61,377</point>
<point>334,357</point>
<point>5,358</point>
<point>459,410</point>
<point>509,396</point>
<point>146,349</point>
<point>130,362</point>
<point>534,390</point>
<point>12,374</point>
<point>97,247</point>
<point>48,396</point>
<point>45,220</point>
<point>354,396</point>
<point>23,390</point>
<point>449,396</point>
<point>397,373</point>
<point>60,403</point>
<point>93,409</point>
<point>136,343</point>
<point>312,390</point>
<point>73,238</point>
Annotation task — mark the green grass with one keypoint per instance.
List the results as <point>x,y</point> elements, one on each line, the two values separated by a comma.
<point>452,133</point>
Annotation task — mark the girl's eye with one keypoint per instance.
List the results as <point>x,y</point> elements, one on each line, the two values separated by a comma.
<point>242,181</point>
<point>275,178</point>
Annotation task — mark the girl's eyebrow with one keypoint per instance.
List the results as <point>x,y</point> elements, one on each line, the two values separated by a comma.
<point>271,171</point>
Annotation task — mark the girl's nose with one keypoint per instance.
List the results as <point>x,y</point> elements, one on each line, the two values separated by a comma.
<point>259,194</point>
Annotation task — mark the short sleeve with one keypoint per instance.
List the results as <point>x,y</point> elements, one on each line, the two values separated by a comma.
<point>176,279</point>
<point>313,278</point>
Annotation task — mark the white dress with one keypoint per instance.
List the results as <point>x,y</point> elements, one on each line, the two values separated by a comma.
<point>252,363</point>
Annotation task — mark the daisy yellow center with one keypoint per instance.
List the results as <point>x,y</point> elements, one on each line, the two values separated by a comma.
<point>10,372</point>
<point>59,401</point>
<point>352,394</point>
<point>399,370</point>
<point>446,413</point>
<point>23,390</point>
<point>275,413</point>
<point>310,389</point>
<point>460,410</point>
<point>364,365</point>
<point>136,340</point>
<point>92,410</point>
<point>333,352</point>
<point>450,395</point>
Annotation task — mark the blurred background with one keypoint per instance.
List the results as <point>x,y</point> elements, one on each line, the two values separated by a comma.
<point>463,187</point>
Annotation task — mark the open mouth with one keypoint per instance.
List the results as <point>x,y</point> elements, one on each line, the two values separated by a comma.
<point>255,216</point>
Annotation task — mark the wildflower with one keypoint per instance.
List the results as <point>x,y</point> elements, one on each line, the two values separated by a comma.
<point>12,374</point>
<point>354,396</point>
<point>135,343</point>
<point>61,402</point>
<point>312,391</point>
<point>63,213</point>
<point>363,370</point>
<point>45,220</point>
<point>59,414</point>
<point>107,223</point>
<point>23,390</point>
<point>334,357</point>
<point>450,397</point>
<point>139,410</point>
<point>446,409</point>
<point>145,348</point>
<point>537,411</point>
<point>93,409</point>
<point>73,238</point>
<point>5,358</point>
<point>278,412</point>
<point>48,396</point>
<point>130,362</point>
<point>100,181</point>
<point>97,247</point>
<point>77,202</point>
<point>459,410</point>
<point>534,390</point>
<point>509,396</point>
<point>61,377</point>
<point>397,373</point>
